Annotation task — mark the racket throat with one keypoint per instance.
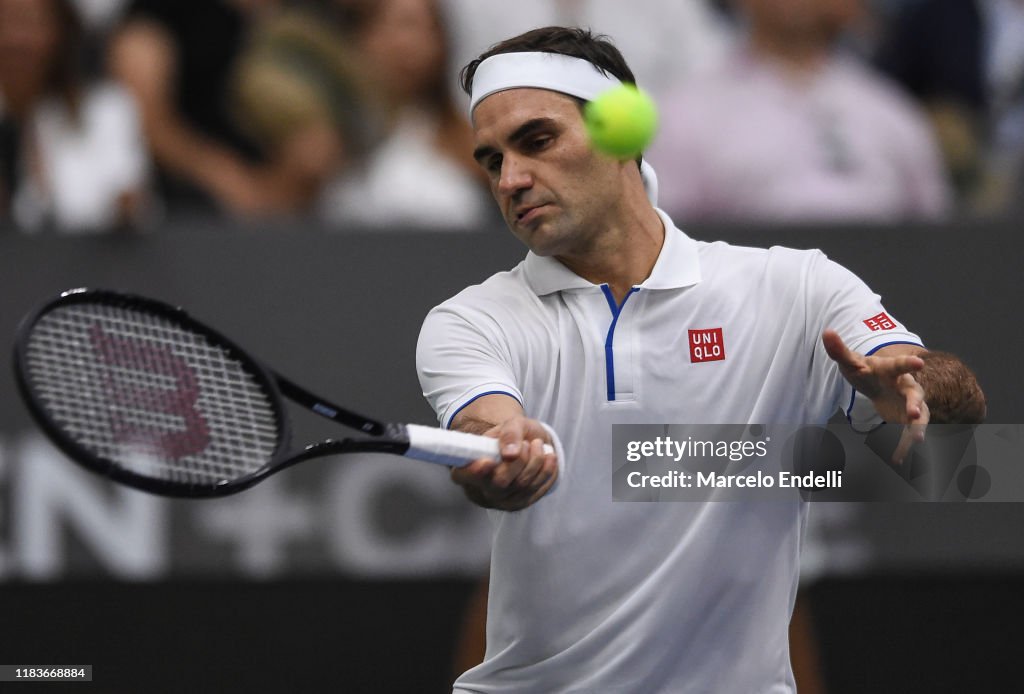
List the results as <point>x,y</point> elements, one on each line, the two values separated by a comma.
<point>394,441</point>
<point>328,409</point>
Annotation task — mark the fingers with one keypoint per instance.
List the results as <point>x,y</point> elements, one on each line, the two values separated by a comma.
<point>516,432</point>
<point>550,474</point>
<point>917,417</point>
<point>903,447</point>
<point>539,470</point>
<point>888,380</point>
<point>839,352</point>
<point>535,479</point>
<point>879,366</point>
<point>893,367</point>
<point>915,408</point>
<point>474,473</point>
<point>507,472</point>
<point>849,361</point>
<point>853,366</point>
<point>524,474</point>
<point>879,378</point>
<point>911,435</point>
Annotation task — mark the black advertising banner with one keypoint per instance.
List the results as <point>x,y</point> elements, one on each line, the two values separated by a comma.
<point>340,314</point>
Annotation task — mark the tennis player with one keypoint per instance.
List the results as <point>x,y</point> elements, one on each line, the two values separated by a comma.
<point>594,328</point>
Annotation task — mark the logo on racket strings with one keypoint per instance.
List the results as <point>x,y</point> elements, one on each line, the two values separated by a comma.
<point>149,383</point>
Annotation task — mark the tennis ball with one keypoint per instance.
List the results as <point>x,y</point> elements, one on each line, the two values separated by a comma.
<point>621,121</point>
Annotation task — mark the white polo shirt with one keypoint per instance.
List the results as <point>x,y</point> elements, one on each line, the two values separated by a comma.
<point>591,595</point>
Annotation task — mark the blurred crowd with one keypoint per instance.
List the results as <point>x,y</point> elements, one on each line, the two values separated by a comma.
<point>121,114</point>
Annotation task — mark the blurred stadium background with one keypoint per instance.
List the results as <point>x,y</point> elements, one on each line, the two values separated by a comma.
<point>319,228</point>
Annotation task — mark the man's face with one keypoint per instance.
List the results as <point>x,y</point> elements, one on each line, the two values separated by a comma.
<point>552,188</point>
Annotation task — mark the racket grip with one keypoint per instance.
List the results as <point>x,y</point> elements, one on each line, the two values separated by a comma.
<point>451,448</point>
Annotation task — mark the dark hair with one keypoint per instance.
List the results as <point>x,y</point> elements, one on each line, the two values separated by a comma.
<point>356,17</point>
<point>65,74</point>
<point>598,49</point>
<point>571,41</point>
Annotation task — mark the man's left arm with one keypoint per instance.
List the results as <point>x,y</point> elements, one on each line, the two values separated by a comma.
<point>910,385</point>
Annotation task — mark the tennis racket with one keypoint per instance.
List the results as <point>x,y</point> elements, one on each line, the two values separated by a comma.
<point>143,393</point>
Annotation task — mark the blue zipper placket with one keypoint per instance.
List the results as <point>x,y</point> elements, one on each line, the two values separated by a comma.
<point>609,352</point>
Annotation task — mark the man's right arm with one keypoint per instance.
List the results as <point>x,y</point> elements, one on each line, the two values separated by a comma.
<point>525,472</point>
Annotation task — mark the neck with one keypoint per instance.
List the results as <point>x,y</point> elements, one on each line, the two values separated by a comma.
<point>624,254</point>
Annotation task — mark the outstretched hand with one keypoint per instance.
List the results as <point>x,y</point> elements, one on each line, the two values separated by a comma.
<point>889,382</point>
<point>524,474</point>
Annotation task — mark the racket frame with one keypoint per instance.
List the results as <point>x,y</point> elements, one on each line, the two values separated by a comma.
<point>442,447</point>
<point>272,384</point>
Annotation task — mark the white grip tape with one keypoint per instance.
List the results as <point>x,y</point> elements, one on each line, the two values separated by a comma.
<point>452,448</point>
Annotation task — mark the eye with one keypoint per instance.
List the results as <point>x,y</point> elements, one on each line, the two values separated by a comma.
<point>493,164</point>
<point>539,142</point>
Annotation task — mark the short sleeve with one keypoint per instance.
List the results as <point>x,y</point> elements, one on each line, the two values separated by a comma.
<point>459,359</point>
<point>840,300</point>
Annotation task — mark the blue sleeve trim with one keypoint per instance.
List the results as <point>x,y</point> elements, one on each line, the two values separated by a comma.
<point>448,424</point>
<point>894,342</point>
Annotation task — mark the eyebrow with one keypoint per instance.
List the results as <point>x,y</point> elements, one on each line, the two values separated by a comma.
<point>521,133</point>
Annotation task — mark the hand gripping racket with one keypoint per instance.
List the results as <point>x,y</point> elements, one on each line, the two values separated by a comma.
<point>141,392</point>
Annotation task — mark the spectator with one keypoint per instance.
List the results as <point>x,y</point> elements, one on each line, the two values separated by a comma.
<point>98,18</point>
<point>178,57</point>
<point>788,129</point>
<point>667,40</point>
<point>72,152</point>
<point>299,92</point>
<point>422,173</point>
<point>964,60</point>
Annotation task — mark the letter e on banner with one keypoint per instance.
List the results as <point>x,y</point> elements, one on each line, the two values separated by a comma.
<point>706,344</point>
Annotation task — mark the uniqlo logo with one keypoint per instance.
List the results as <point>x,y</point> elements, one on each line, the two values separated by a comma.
<point>880,322</point>
<point>706,345</point>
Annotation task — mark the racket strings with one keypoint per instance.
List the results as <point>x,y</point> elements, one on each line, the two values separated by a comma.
<point>150,395</point>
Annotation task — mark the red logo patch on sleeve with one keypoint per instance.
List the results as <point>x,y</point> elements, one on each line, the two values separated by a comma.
<point>706,345</point>
<point>880,322</point>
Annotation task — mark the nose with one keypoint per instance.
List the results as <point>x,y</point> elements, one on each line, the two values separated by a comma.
<point>515,175</point>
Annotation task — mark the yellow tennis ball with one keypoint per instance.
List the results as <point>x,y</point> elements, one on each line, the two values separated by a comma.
<point>621,121</point>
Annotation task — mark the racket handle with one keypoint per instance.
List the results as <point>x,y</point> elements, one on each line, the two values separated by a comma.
<point>452,448</point>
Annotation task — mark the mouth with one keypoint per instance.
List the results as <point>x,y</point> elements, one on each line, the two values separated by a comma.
<point>528,214</point>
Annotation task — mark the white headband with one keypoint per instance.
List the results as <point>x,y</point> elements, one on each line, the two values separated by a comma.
<point>556,72</point>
